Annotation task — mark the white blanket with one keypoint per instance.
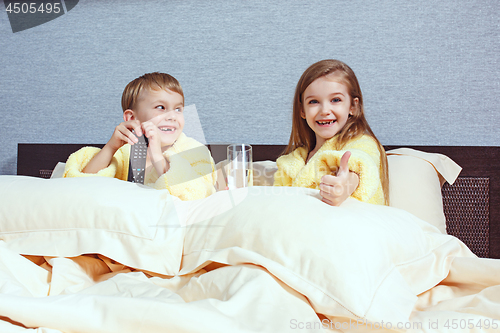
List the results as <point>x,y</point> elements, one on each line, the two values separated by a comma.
<point>77,256</point>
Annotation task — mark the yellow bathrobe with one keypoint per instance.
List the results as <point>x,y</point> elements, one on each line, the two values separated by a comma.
<point>364,161</point>
<point>191,174</point>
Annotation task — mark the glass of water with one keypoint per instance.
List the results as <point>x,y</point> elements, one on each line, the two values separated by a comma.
<point>240,170</point>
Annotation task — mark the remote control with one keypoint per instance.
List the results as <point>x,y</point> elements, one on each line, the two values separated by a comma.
<point>137,163</point>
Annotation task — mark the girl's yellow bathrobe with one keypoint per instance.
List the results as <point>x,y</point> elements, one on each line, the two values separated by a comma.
<point>364,160</point>
<point>191,175</point>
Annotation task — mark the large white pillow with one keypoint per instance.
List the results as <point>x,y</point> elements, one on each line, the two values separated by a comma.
<point>132,224</point>
<point>358,260</point>
<point>415,180</point>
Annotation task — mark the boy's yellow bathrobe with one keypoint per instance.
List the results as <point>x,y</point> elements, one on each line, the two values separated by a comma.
<point>364,160</point>
<point>191,175</point>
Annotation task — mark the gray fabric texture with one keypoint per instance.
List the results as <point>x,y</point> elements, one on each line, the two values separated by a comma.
<point>429,70</point>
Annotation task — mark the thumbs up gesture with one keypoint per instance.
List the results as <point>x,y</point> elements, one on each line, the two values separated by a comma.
<point>335,189</point>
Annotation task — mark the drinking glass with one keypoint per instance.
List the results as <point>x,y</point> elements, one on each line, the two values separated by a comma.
<point>240,169</point>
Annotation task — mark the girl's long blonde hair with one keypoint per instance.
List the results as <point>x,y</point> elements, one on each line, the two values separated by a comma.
<point>303,136</point>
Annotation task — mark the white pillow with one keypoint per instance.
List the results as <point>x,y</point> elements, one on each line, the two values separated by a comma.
<point>263,173</point>
<point>357,261</point>
<point>415,180</point>
<point>67,217</point>
<point>58,171</point>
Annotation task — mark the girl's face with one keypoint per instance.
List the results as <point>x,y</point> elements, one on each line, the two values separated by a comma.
<point>326,107</point>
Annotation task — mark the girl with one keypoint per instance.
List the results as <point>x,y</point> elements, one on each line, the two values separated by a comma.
<point>332,147</point>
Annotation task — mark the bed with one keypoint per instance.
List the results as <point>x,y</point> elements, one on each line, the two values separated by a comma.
<point>261,259</point>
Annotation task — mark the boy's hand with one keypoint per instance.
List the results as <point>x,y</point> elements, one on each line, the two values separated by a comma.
<point>153,133</point>
<point>336,189</point>
<point>123,134</point>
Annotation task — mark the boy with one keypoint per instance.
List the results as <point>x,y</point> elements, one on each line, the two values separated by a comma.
<point>152,105</point>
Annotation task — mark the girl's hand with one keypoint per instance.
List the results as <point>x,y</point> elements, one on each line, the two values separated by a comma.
<point>336,189</point>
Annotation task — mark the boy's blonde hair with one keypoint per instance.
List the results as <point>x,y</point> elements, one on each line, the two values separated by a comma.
<point>303,136</point>
<point>152,81</point>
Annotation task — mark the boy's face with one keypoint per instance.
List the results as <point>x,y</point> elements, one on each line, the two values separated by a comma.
<point>153,103</point>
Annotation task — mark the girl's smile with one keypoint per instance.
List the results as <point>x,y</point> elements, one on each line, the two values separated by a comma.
<point>326,123</point>
<point>326,107</point>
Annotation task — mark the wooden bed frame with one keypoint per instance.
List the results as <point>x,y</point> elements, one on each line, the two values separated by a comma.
<point>471,205</point>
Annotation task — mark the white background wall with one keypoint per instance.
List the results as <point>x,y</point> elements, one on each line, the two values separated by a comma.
<point>429,70</point>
